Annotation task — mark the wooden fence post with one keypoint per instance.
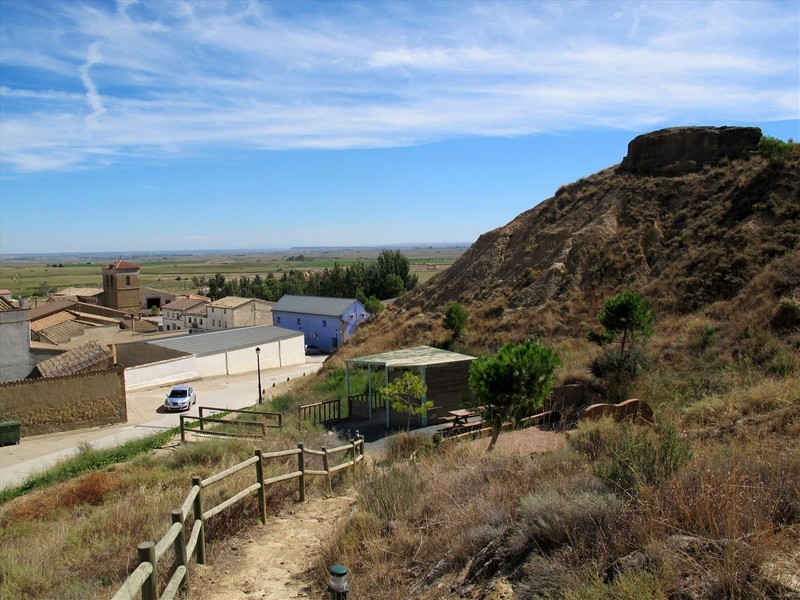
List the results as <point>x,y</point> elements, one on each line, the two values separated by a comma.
<point>302,469</point>
<point>355,455</point>
<point>146,552</point>
<point>183,432</point>
<point>180,545</point>
<point>198,516</point>
<point>200,414</point>
<point>327,470</point>
<point>262,498</point>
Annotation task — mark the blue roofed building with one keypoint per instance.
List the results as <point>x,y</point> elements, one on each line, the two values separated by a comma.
<point>325,322</point>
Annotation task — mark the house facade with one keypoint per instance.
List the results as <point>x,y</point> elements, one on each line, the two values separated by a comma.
<point>325,322</point>
<point>233,311</point>
<point>175,314</point>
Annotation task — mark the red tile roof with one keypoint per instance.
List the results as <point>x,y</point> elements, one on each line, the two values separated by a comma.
<point>122,265</point>
<point>90,356</point>
<point>49,308</point>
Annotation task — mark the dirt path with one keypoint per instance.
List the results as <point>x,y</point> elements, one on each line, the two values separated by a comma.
<point>269,562</point>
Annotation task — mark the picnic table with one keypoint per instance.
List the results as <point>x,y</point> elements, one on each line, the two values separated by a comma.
<point>458,421</point>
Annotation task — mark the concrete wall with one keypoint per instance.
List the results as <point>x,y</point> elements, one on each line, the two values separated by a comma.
<point>165,372</point>
<point>16,360</point>
<point>56,404</point>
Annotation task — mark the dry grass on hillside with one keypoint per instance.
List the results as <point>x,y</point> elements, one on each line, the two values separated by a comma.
<point>78,539</point>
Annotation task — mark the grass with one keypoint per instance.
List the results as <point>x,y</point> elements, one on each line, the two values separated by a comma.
<point>87,459</point>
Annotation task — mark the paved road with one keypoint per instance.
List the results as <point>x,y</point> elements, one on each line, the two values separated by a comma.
<point>145,416</point>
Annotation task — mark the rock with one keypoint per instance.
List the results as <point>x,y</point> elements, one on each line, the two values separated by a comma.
<point>681,150</point>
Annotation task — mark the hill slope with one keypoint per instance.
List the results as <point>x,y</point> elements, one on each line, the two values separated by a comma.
<point>728,232</point>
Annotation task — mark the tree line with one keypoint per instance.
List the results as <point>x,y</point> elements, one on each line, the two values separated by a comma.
<point>388,277</point>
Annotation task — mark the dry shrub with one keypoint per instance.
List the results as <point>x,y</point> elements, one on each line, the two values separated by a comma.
<point>445,507</point>
<point>765,396</point>
<point>51,503</point>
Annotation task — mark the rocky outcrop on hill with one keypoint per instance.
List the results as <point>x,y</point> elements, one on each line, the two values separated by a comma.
<point>681,150</point>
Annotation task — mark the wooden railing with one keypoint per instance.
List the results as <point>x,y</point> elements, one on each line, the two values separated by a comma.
<point>321,412</point>
<point>262,426</point>
<point>144,579</point>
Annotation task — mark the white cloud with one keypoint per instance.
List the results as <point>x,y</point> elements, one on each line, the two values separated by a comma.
<point>176,77</point>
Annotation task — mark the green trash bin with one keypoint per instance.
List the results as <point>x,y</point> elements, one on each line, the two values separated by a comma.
<point>9,432</point>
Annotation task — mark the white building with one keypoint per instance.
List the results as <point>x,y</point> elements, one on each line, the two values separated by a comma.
<point>174,313</point>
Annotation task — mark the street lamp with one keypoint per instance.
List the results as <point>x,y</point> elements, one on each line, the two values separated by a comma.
<point>258,367</point>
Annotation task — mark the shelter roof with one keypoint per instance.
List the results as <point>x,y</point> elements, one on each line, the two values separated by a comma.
<point>313,305</point>
<point>140,326</point>
<point>6,305</point>
<point>419,356</point>
<point>215,342</point>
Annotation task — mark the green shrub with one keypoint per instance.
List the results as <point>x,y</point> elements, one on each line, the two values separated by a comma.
<point>644,458</point>
<point>775,150</point>
<point>630,457</point>
<point>787,315</point>
<point>282,403</point>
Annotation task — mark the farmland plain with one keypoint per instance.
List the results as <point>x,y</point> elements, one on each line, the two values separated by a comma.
<point>173,271</point>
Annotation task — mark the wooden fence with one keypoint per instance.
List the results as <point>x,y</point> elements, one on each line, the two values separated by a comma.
<point>261,426</point>
<point>321,412</point>
<point>144,579</point>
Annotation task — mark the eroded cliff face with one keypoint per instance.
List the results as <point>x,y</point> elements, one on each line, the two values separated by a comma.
<point>681,150</point>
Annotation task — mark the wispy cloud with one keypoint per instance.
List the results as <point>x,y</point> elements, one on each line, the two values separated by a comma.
<point>164,78</point>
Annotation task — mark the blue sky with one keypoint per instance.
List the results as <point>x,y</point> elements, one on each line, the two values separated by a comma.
<point>167,125</point>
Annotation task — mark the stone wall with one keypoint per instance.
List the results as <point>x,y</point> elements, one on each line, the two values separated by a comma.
<point>64,403</point>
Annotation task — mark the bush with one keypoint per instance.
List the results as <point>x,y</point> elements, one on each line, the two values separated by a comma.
<point>630,457</point>
<point>775,150</point>
<point>787,315</point>
<point>455,318</point>
<point>617,370</point>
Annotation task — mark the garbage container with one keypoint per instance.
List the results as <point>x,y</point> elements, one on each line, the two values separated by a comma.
<point>9,432</point>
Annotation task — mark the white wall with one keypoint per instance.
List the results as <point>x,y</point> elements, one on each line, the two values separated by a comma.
<point>184,368</point>
<point>234,362</point>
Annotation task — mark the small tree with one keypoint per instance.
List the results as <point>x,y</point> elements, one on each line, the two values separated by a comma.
<point>775,150</point>
<point>455,318</point>
<point>513,384</point>
<point>406,394</point>
<point>627,320</point>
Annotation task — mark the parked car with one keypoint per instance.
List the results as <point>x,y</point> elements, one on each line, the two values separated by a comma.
<point>181,397</point>
<point>311,349</point>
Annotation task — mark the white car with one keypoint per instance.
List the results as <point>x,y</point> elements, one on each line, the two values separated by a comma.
<point>181,397</point>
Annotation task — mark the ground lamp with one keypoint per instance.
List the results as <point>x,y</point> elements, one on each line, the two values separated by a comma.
<point>258,367</point>
<point>337,582</point>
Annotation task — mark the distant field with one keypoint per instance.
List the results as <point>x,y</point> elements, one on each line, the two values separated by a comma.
<point>27,276</point>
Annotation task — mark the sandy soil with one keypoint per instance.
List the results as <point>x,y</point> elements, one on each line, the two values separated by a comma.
<point>272,562</point>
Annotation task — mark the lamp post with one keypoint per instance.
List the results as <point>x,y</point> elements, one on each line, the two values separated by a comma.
<point>338,585</point>
<point>258,367</point>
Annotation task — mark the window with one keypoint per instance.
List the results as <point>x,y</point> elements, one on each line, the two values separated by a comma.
<point>201,321</point>
<point>352,316</point>
<point>277,319</point>
<point>298,320</point>
<point>213,322</point>
<point>363,315</point>
<point>324,323</point>
<point>127,279</point>
<point>110,281</point>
